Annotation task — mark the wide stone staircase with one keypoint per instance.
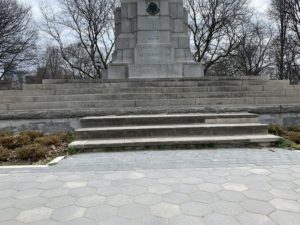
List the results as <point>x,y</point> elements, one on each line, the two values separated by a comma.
<point>137,113</point>
<point>170,130</point>
<point>67,98</point>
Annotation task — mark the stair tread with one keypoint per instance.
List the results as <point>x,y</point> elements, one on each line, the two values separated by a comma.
<point>184,139</point>
<point>205,115</point>
<point>170,126</point>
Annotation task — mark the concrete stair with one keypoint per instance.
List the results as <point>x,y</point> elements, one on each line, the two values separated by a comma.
<point>71,96</point>
<point>170,130</point>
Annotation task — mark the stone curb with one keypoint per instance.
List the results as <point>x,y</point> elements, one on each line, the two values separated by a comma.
<point>52,163</point>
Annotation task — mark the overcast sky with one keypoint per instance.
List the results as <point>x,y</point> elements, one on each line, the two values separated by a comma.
<point>261,5</point>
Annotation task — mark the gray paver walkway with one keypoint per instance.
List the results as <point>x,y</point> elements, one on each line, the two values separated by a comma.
<point>208,187</point>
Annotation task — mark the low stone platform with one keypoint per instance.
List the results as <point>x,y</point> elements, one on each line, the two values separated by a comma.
<point>163,131</point>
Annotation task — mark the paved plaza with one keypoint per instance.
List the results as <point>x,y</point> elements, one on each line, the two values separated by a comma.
<point>187,187</point>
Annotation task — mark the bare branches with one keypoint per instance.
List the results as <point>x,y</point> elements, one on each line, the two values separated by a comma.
<point>89,23</point>
<point>17,37</point>
<point>253,51</point>
<point>214,26</point>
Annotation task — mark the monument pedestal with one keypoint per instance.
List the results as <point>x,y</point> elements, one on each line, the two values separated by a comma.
<point>152,41</point>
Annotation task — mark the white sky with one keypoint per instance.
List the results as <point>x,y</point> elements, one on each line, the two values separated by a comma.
<point>260,5</point>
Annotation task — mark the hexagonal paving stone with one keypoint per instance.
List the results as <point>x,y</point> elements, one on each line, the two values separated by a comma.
<point>286,205</point>
<point>165,210</point>
<point>47,178</point>
<point>185,188</point>
<point>56,192</point>
<point>107,191</point>
<point>285,194</point>
<point>68,213</point>
<point>114,176</point>
<point>81,192</point>
<point>218,219</point>
<point>150,220</point>
<point>192,180</point>
<point>204,197</point>
<point>81,221</point>
<point>259,207</point>
<point>46,222</point>
<point>133,190</point>
<point>235,187</point>
<point>286,185</point>
<point>115,221</point>
<point>31,193</point>
<point>101,212</point>
<point>31,203</point>
<point>119,200</point>
<point>282,217</point>
<point>186,220</point>
<point>196,209</point>
<point>50,185</point>
<point>169,180</point>
<point>209,187</point>
<point>75,184</point>
<point>232,196</point>
<point>160,189</point>
<point>134,211</point>
<point>148,199</point>
<point>260,171</point>
<point>134,175</point>
<point>176,198</point>
<point>259,195</point>
<point>36,214</point>
<point>90,201</point>
<point>257,219</point>
<point>227,208</point>
<point>60,202</point>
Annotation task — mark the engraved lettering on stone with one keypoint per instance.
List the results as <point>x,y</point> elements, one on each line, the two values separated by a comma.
<point>153,36</point>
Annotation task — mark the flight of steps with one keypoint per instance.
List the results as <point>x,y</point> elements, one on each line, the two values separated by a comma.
<point>170,131</point>
<point>75,99</point>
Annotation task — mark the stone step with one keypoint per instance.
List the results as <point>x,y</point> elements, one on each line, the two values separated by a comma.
<point>173,89</point>
<point>155,119</point>
<point>163,142</point>
<point>206,78</point>
<point>157,84</point>
<point>21,93</point>
<point>147,96</point>
<point>190,102</point>
<point>54,113</point>
<point>170,130</point>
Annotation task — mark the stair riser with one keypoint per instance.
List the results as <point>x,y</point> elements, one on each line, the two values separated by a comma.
<point>223,88</point>
<point>134,85</point>
<point>155,84</point>
<point>144,103</point>
<point>157,121</point>
<point>143,96</point>
<point>167,132</point>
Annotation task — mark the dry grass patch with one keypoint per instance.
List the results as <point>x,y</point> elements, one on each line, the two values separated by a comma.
<point>32,147</point>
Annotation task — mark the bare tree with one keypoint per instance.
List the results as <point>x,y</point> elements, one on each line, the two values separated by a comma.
<point>87,22</point>
<point>293,11</point>
<point>253,51</point>
<point>17,36</point>
<point>52,65</point>
<point>278,12</point>
<point>214,24</point>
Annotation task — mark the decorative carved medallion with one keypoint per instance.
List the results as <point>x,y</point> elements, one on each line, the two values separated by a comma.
<point>153,8</point>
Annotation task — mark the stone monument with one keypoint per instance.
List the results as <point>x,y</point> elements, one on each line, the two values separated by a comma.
<point>152,41</point>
